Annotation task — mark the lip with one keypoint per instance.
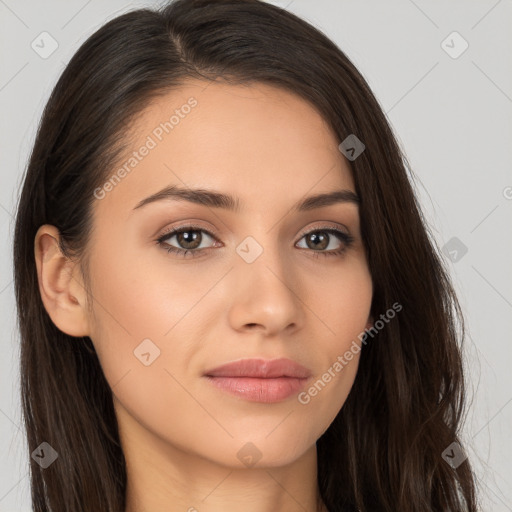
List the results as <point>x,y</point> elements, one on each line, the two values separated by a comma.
<point>260,380</point>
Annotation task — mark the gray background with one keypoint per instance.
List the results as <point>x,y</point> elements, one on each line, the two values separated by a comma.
<point>451,115</point>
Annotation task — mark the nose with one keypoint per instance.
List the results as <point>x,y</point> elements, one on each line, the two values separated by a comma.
<point>266,296</point>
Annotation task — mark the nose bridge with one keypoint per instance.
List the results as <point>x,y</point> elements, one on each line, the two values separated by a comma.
<point>263,241</point>
<point>265,293</point>
<point>262,254</point>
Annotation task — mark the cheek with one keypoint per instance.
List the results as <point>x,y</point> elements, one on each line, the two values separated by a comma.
<point>344,308</point>
<point>139,311</point>
<point>341,300</point>
<point>136,298</point>
<point>144,336</point>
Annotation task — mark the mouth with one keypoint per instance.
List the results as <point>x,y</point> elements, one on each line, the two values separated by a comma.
<point>259,380</point>
<point>259,390</point>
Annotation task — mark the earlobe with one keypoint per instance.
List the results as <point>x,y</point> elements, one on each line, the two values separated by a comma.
<point>60,285</point>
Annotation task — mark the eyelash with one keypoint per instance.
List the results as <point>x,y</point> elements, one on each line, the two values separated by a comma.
<point>343,237</point>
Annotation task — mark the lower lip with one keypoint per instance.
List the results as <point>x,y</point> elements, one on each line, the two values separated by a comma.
<point>259,390</point>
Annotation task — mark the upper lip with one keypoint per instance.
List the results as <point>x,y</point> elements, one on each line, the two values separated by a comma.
<point>260,368</point>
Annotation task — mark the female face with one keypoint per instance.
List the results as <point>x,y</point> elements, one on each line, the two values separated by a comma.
<point>270,273</point>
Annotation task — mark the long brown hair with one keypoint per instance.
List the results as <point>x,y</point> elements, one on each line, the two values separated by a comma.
<point>384,450</point>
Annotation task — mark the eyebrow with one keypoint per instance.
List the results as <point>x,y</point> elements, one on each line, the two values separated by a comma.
<point>214,199</point>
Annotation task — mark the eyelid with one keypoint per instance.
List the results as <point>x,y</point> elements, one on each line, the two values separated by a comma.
<point>183,227</point>
<point>191,226</point>
<point>335,226</point>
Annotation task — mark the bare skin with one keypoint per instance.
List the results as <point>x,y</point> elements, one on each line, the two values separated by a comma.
<point>180,434</point>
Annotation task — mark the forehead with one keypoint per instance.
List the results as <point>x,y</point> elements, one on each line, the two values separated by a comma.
<point>257,142</point>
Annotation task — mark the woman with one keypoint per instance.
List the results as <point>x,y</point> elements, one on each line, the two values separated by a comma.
<point>228,298</point>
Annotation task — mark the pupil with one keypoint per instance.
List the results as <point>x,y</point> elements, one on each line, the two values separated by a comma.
<point>189,237</point>
<point>319,240</point>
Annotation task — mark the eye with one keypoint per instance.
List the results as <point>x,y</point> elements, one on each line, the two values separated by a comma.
<point>324,238</point>
<point>188,237</point>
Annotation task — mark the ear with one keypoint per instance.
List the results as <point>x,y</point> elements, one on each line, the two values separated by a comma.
<point>60,284</point>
